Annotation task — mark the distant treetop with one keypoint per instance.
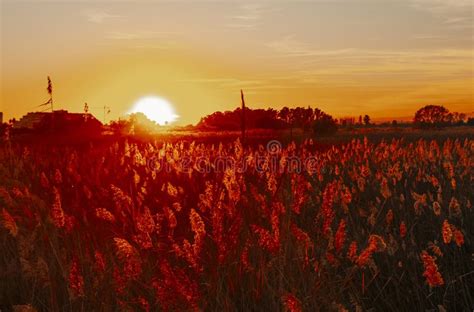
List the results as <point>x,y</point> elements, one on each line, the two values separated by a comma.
<point>298,117</point>
<point>437,116</point>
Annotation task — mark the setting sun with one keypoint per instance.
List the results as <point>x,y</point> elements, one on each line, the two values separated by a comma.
<point>241,155</point>
<point>156,109</point>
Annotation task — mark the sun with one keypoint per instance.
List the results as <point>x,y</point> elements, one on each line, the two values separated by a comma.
<point>156,109</point>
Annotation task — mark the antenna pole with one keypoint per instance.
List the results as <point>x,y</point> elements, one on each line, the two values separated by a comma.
<point>106,111</point>
<point>50,92</point>
<point>243,115</point>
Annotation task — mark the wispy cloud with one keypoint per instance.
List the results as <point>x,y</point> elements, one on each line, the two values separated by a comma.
<point>460,22</point>
<point>252,86</point>
<point>455,13</point>
<point>290,47</point>
<point>442,4</point>
<point>140,35</point>
<point>251,12</point>
<point>250,16</point>
<point>99,17</point>
<point>225,82</point>
<point>351,66</point>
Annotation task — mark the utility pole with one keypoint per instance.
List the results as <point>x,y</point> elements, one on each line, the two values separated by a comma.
<point>49,88</point>
<point>50,92</point>
<point>243,115</point>
<point>106,112</point>
<point>86,111</point>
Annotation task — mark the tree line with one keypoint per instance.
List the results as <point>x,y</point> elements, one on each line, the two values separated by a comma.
<point>438,116</point>
<point>314,119</point>
<point>308,119</point>
<point>285,118</point>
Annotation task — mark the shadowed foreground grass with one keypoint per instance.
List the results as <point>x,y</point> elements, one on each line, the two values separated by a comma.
<point>364,225</point>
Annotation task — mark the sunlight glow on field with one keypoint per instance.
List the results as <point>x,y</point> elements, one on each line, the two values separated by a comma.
<point>156,109</point>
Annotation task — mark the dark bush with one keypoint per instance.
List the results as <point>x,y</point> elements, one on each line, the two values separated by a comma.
<point>325,125</point>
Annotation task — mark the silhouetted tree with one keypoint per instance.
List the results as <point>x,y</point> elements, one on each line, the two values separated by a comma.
<point>269,120</point>
<point>432,116</point>
<point>121,126</point>
<point>3,128</point>
<point>299,117</point>
<point>242,122</point>
<point>367,120</point>
<point>325,125</point>
<point>232,120</point>
<point>458,118</point>
<point>141,124</point>
<point>284,114</point>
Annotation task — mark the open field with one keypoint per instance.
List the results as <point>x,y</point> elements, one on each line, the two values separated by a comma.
<point>261,136</point>
<point>256,136</point>
<point>344,223</point>
<point>274,156</point>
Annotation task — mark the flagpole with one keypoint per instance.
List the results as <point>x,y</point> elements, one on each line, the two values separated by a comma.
<point>106,111</point>
<point>50,92</point>
<point>242,121</point>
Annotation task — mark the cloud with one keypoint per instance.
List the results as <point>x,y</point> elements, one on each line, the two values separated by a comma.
<point>225,82</point>
<point>459,23</point>
<point>253,86</point>
<point>140,35</point>
<point>250,12</point>
<point>444,4</point>
<point>290,47</point>
<point>249,86</point>
<point>308,65</point>
<point>99,17</point>
<point>250,15</point>
<point>454,13</point>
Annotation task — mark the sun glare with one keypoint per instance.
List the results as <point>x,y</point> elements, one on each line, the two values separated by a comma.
<point>156,109</point>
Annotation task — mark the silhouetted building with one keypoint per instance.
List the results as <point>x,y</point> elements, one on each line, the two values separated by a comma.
<point>347,121</point>
<point>59,120</point>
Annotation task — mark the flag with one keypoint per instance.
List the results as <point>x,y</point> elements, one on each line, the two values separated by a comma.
<point>50,86</point>
<point>48,102</point>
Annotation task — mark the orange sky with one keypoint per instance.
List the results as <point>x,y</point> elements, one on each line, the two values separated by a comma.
<point>347,57</point>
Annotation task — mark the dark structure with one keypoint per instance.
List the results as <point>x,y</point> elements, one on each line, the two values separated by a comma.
<point>243,116</point>
<point>56,121</point>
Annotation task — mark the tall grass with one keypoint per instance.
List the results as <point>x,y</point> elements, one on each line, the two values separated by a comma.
<point>382,226</point>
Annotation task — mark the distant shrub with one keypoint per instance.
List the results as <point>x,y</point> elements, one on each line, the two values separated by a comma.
<point>431,116</point>
<point>325,125</point>
<point>3,128</point>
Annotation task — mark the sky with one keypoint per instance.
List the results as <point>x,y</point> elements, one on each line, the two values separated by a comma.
<point>347,57</point>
